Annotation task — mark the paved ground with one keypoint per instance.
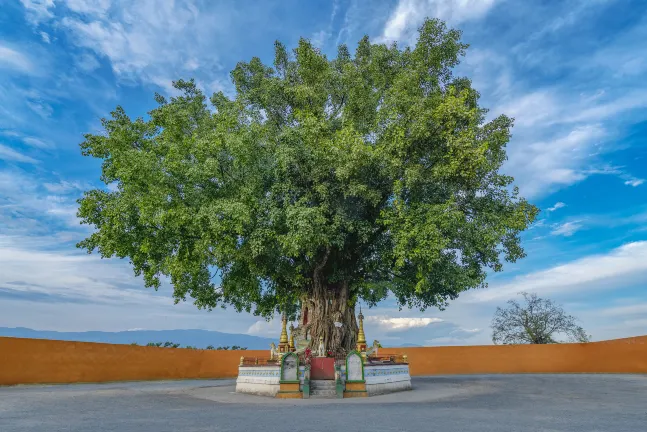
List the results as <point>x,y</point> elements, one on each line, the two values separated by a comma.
<point>519,403</point>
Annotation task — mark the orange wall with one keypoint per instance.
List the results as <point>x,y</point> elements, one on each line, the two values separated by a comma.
<point>616,356</point>
<point>31,361</point>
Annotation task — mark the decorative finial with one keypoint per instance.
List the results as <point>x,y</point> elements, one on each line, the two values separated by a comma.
<point>361,337</point>
<point>284,332</point>
<point>242,360</point>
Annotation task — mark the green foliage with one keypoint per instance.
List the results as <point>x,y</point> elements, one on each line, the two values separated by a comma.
<point>378,169</point>
<point>177,345</point>
<point>171,345</point>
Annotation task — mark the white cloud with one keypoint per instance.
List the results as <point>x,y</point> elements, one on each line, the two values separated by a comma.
<point>568,153</point>
<point>638,324</point>
<point>65,186</point>
<point>38,10</point>
<point>41,108</point>
<point>28,140</point>
<point>566,229</point>
<point>540,166</point>
<point>400,323</point>
<point>549,106</point>
<point>68,275</point>
<point>610,270</point>
<point>46,284</point>
<point>624,311</point>
<point>474,330</point>
<point>624,57</point>
<point>593,115</point>
<point>557,205</point>
<point>89,7</point>
<point>264,328</point>
<point>635,182</point>
<point>36,142</point>
<point>15,60</point>
<point>24,196</point>
<point>608,108</point>
<point>9,154</point>
<point>560,135</point>
<point>148,41</point>
<point>410,14</point>
<point>87,62</point>
<point>45,37</point>
<point>540,106</point>
<point>319,38</point>
<point>490,72</point>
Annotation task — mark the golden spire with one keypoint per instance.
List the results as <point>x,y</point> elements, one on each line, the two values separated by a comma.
<point>284,332</point>
<point>291,337</point>
<point>361,337</point>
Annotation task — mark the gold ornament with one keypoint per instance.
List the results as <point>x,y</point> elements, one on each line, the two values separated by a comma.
<point>284,332</point>
<point>361,337</point>
<point>284,345</point>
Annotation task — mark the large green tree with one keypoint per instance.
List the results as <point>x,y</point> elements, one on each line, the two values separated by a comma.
<point>321,183</point>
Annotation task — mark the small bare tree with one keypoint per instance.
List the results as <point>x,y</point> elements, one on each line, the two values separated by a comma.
<point>538,321</point>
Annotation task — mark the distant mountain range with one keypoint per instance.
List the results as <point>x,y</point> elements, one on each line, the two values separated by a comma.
<point>194,338</point>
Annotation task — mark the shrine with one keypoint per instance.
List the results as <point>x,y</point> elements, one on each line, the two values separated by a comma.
<point>302,368</point>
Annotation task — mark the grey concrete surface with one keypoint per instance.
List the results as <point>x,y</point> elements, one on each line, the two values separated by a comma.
<point>519,403</point>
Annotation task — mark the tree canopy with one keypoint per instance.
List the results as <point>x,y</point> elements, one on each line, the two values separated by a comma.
<point>375,171</point>
<point>538,321</point>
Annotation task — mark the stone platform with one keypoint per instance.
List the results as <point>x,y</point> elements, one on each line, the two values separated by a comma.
<point>378,379</point>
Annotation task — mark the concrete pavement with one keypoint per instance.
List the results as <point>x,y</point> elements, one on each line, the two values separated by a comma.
<point>519,403</point>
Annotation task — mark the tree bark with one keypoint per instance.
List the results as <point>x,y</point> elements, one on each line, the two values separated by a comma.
<point>325,305</point>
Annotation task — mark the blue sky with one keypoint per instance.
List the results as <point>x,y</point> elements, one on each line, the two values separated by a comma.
<point>571,72</point>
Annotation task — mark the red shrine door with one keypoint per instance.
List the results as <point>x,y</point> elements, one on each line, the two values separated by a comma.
<point>322,368</point>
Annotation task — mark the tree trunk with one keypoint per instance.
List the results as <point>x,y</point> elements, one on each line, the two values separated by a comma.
<point>321,308</point>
